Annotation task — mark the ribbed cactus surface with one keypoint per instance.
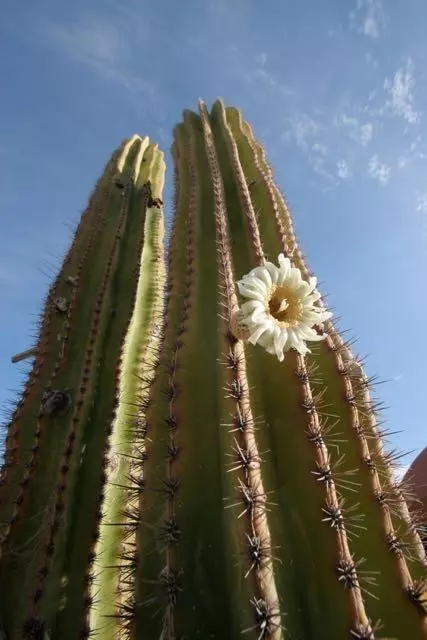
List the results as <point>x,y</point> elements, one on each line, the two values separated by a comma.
<point>173,469</point>
<point>58,458</point>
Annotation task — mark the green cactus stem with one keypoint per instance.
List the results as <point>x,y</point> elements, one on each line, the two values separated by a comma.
<point>52,514</point>
<point>180,464</point>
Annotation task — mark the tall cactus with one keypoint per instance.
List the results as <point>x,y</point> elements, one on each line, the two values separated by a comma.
<point>213,477</point>
<point>57,457</point>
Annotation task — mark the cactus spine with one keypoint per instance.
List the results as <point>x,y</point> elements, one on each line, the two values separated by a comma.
<point>185,483</point>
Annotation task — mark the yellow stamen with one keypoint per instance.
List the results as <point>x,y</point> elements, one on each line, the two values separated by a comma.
<point>285,306</point>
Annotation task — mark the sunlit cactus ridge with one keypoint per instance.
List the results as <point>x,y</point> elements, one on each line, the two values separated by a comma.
<point>197,453</point>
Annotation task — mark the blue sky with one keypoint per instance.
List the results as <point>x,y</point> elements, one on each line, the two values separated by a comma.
<point>336,90</point>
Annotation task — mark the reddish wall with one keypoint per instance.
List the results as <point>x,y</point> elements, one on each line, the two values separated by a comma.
<point>417,476</point>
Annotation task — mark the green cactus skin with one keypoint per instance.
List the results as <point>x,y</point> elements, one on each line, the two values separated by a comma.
<point>56,465</point>
<point>336,552</point>
<point>209,491</point>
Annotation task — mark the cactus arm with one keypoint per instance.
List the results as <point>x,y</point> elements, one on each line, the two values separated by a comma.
<point>137,365</point>
<point>356,449</point>
<point>43,499</point>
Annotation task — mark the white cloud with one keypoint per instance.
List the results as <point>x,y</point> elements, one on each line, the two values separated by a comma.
<point>421,203</point>
<point>270,80</point>
<point>413,152</point>
<point>98,43</point>
<point>400,89</point>
<point>304,130</point>
<point>402,161</point>
<point>361,133</point>
<point>318,164</point>
<point>379,171</point>
<point>365,133</point>
<point>368,18</point>
<point>343,170</point>
<point>320,148</point>
<point>307,134</point>
<point>261,58</point>
<point>370,60</point>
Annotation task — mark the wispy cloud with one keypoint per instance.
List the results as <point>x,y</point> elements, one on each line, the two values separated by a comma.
<point>421,202</point>
<point>400,90</point>
<point>343,170</point>
<point>267,77</point>
<point>370,60</point>
<point>306,133</point>
<point>361,133</point>
<point>98,43</point>
<point>413,152</point>
<point>378,170</point>
<point>368,18</point>
<point>305,130</point>
<point>261,58</point>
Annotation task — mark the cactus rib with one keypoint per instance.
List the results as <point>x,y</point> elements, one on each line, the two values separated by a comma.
<point>115,550</point>
<point>248,456</point>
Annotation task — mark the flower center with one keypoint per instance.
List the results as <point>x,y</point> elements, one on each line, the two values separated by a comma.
<point>285,307</point>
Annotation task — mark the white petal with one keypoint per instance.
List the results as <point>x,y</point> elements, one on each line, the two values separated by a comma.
<point>306,333</point>
<point>263,274</point>
<point>255,283</point>
<point>280,355</point>
<point>253,311</point>
<point>257,333</point>
<point>294,278</point>
<point>267,341</point>
<point>309,318</point>
<point>285,267</point>
<point>250,306</point>
<point>312,297</point>
<point>280,340</point>
<point>292,339</point>
<point>273,271</point>
<point>326,315</point>
<point>302,290</point>
<point>303,349</point>
<point>250,293</point>
<point>312,283</point>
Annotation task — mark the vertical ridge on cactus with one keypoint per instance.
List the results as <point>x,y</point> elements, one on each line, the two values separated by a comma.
<point>176,470</point>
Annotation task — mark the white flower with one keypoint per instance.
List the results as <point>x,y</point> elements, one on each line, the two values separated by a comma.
<point>281,311</point>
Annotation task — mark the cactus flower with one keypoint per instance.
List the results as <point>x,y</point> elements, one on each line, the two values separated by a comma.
<point>280,313</point>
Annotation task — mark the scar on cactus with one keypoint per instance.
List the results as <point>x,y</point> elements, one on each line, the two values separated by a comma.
<point>281,312</point>
<point>120,182</point>
<point>61,305</point>
<point>55,401</point>
<point>72,281</point>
